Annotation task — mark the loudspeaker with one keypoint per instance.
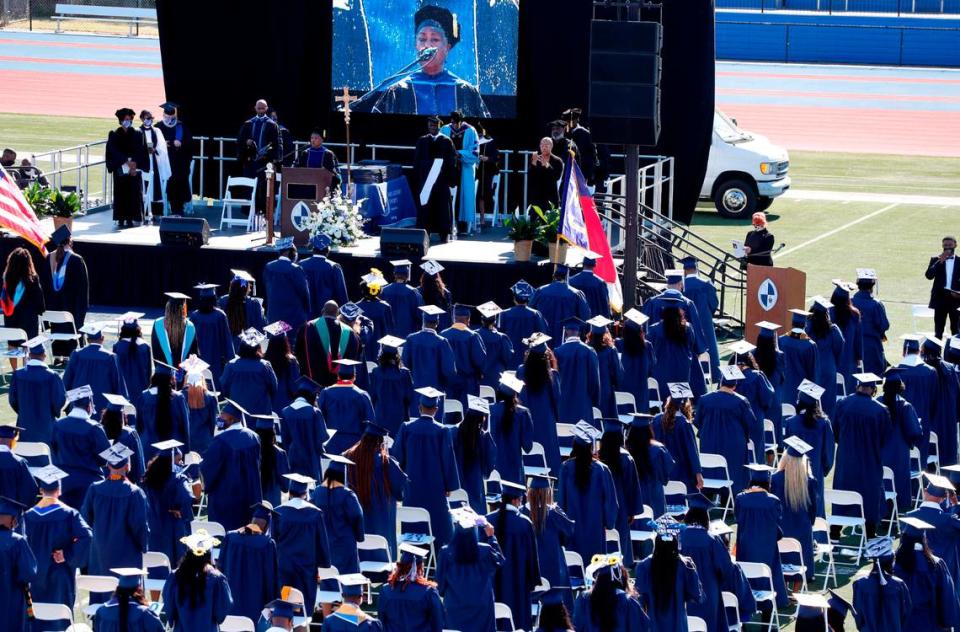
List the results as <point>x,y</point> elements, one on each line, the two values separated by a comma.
<point>184,231</point>
<point>404,242</point>
<point>625,67</point>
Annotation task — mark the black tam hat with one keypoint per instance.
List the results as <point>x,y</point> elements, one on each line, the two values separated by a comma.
<point>123,113</point>
<point>438,18</point>
<point>434,119</point>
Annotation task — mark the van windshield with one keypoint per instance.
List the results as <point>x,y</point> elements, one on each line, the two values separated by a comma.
<point>727,130</point>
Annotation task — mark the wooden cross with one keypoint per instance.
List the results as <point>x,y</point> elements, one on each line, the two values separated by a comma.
<point>346,100</point>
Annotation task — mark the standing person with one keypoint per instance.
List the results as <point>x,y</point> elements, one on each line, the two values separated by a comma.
<point>301,537</point>
<point>36,394</point>
<point>404,300</point>
<point>273,460</point>
<point>564,147</point>
<point>610,605</point>
<point>628,484</point>
<point>724,419</point>
<point>874,321</point>
<point>67,288</point>
<point>583,139</point>
<point>541,395</point>
<point>127,610</point>
<point>466,572</point>
<point>288,294</point>
<point>391,386</point>
<point>134,356</point>
<point>521,321</point>
<point>543,179</point>
<point>21,297</point>
<point>94,365</point>
<point>347,406</point>
<point>304,430</point>
<point>475,451</point>
<point>196,596</point>
<point>242,308</point>
<point>944,301</point>
<point>610,367</point>
<point>248,379</point>
<point>770,361</point>
<point>179,143</point>
<point>594,288</point>
<point>797,490</point>
<point>712,559</point>
<point>944,421</point>
<point>16,482</point>
<point>173,338</point>
<point>378,482</point>
<point>316,156</point>
<point>758,391</point>
<point>428,355</point>
<point>409,602</point>
<point>850,323</point>
<point>18,569</point>
<point>881,601</point>
<point>500,352</point>
<point>944,537</point>
<point>214,340</point>
<point>489,168</point>
<point>202,410</point>
<point>759,516</point>
<point>324,276</point>
<point>557,302</point>
<point>125,157</point>
<point>259,142</point>
<point>653,465</point>
<point>673,296</point>
<point>906,434</point>
<point>162,414</point>
<point>579,371</point>
<point>76,445</point>
<point>636,356</point>
<point>114,422</point>
<point>553,530</point>
<point>932,591</point>
<point>231,470</point>
<point>249,560</point>
<point>469,356</point>
<point>156,169</point>
<point>758,244</point>
<point>829,341</point>
<point>466,143</point>
<point>921,387</point>
<point>800,358</point>
<point>704,295</point>
<point>511,428</point>
<point>813,427</point>
<point>169,502</point>
<point>322,341</point>
<point>674,429</point>
<point>435,173</point>
<point>675,351</point>
<point>376,309</point>
<point>667,581</point>
<point>434,291</point>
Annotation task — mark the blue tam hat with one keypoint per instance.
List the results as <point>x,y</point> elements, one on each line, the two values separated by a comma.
<point>809,393</point>
<point>350,312</point>
<point>572,324</point>
<point>599,324</point>
<point>461,311</point>
<point>561,270</point>
<point>937,485</point>
<point>128,578</point>
<point>320,242</point>
<point>798,319</point>
<point>34,346</point>
<point>10,507</point>
<point>206,289</point>
<point>431,313</point>
<point>522,290</point>
<point>48,477</point>
<point>306,385</point>
<point>337,463</point>
<point>409,554</point>
<point>689,262</point>
<point>352,585</point>
<point>699,501</point>
<point>374,429</point>
<point>585,434</point>
<point>759,472</point>
<point>613,424</point>
<point>346,367</point>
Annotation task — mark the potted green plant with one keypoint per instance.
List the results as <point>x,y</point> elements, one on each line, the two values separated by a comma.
<point>40,198</point>
<point>63,208</point>
<point>548,231</point>
<point>523,230</point>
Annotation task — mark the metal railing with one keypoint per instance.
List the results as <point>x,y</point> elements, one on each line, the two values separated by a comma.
<point>81,168</point>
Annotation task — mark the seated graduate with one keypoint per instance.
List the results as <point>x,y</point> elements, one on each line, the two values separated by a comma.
<point>36,394</point>
<point>95,366</point>
<point>248,379</point>
<point>242,308</point>
<point>429,355</point>
<point>249,559</point>
<point>349,617</point>
<point>134,356</point>
<point>18,566</point>
<point>231,470</point>
<point>611,603</point>
<point>652,463</point>
<point>273,459</point>
<point>626,482</point>
<point>511,428</point>
<point>76,445</point>
<point>16,482</point>
<point>557,302</point>
<point>347,406</point>
<point>376,309</point>
<point>169,500</point>
<point>114,422</point>
<point>196,596</point>
<point>724,420</point>
<point>667,581</point>
<point>60,539</point>
<point>403,300</point>
<point>324,276</point>
<point>279,614</point>
<point>579,372</point>
<point>521,321</point>
<point>674,429</point>
<point>174,337</point>
<point>475,450</point>
<point>162,413</point>
<point>933,596</point>
<point>466,572</point>
<point>304,430</point>
<point>497,344</point>
<point>759,517</point>
<point>214,340</point>
<point>797,490</point>
<point>541,395</point>
<point>288,295</point>
<point>127,608</point>
<point>316,156</point>
<point>322,341</point>
<point>409,602</point>
<point>881,601</point>
<point>391,386</point>
<point>469,355</point>
<point>301,537</point>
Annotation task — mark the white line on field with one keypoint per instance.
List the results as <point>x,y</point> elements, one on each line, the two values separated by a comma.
<point>836,230</point>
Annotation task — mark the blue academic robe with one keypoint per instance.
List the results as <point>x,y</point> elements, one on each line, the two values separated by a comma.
<point>166,529</point>
<point>469,358</point>
<point>944,539</point>
<point>511,440</point>
<point>655,306</point>
<point>637,370</point>
<point>544,406</point>
<point>249,561</point>
<point>349,618</point>
<point>468,588</point>
<point>519,322</point>
<point>676,361</point>
<point>53,526</point>
<point>139,618</point>
<point>821,457</point>
<point>932,594</point>
<point>595,290</point>
<point>392,395</point>
<point>404,302</point>
<point>798,523</point>
<point>135,360</point>
<point>302,545</point>
<point>800,362</point>
<point>424,450</point>
<point>214,340</point>
<point>594,509</point>
<point>852,353</point>
<point>37,395</point>
<point>347,406</point>
<point>325,282</point>
<point>97,367</point>
<point>630,616</point>
<point>874,326</point>
<point>716,572</point>
<point>724,421</point>
<point>251,383</point>
<point>202,423</point>
<point>76,445</point>
<point>381,315</point>
<point>147,421</point>
<point>288,295</point>
<point>556,302</point>
<point>16,481</point>
<point>343,519</point>
<point>520,572</point>
<point>579,372</point>
<point>410,607</point>
<point>921,387</point>
<point>633,493</point>
<point>759,392</point>
<point>686,589</point>
<point>380,515</point>
<point>777,378</point>
<point>468,158</point>
<point>430,359</point>
<point>611,380</point>
<point>704,296</point>
<point>231,476</point>
<point>131,438</point>
<point>277,483</point>
<point>196,613</point>
<point>896,451</point>
<point>861,426</point>
<point>304,431</point>
<point>947,412</point>
<point>287,377</point>
<point>759,516</point>
<point>253,310</point>
<point>499,356</point>
<point>474,466</point>
<point>117,511</point>
<point>681,444</point>
<point>18,568</point>
<point>557,532</point>
<point>160,343</point>
<point>881,607</point>
<point>829,352</point>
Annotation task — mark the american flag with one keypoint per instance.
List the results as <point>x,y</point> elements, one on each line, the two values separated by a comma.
<point>16,214</point>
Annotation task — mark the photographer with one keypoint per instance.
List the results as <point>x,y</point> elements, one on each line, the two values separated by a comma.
<point>945,293</point>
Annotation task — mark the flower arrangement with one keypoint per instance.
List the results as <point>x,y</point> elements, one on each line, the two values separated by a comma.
<point>338,218</point>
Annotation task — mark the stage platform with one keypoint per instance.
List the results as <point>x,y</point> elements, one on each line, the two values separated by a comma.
<point>130,267</point>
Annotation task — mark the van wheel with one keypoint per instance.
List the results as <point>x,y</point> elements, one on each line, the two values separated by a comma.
<point>735,199</point>
<point>764,203</point>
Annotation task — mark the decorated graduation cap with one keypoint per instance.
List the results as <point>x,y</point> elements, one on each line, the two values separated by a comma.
<point>200,542</point>
<point>48,477</point>
<point>390,345</point>
<point>819,304</point>
<point>277,329</point>
<point>537,341</point>
<point>242,276</point>
<point>299,484</point>
<point>206,289</point>
<point>478,405</point>
<point>194,364</point>
<point>879,548</point>
<point>466,518</point>
<point>283,243</point>
<point>431,267</point>
<point>117,455</point>
<point>798,320</point>
<point>350,311</point>
<point>8,431</point>
<point>251,337</point>
<point>635,318</point>
<point>698,501</point>
<point>128,578</point>
<point>604,564</point>
<point>429,396</point>
<point>585,433</point>
<point>667,528</point>
<point>797,446</point>
<point>730,374</point>
<point>130,318</point>
<point>284,609</point>
<point>842,289</point>
<point>673,276</point>
<point>461,310</point>
<point>409,554</point>
<point>116,402</point>
<point>866,274</point>
<point>79,395</point>
<point>938,485</point>
<point>489,310</point>
<point>94,331</point>
<point>767,329</point>
<point>320,241</point>
<point>742,349</point>
<point>374,429</point>
<point>759,472</point>
<point>679,390</point>
<point>346,366</point>
<point>808,392</point>
<point>510,383</point>
<point>598,324</point>
<point>374,279</point>
<point>352,585</point>
<point>438,18</point>
<point>522,290</point>
<point>866,379</point>
<point>431,313</point>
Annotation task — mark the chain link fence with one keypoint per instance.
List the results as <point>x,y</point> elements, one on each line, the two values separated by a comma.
<point>42,15</point>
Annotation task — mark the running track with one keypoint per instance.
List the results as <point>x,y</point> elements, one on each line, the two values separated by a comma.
<point>831,108</point>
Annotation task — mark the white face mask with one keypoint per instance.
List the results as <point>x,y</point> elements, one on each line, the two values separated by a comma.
<point>148,122</point>
<point>169,120</point>
<point>126,123</point>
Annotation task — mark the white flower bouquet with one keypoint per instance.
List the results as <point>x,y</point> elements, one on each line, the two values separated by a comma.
<point>338,218</point>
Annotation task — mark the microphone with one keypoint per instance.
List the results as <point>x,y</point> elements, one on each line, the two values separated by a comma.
<point>427,54</point>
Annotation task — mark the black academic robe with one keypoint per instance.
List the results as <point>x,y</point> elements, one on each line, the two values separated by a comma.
<point>311,158</point>
<point>68,290</point>
<point>178,186</point>
<point>562,146</point>
<point>436,216</point>
<point>542,184</point>
<point>319,343</point>
<point>123,145</point>
<point>760,243</point>
<point>587,154</point>
<point>268,147</point>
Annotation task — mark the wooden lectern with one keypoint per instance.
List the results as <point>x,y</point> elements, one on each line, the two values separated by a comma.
<point>300,190</point>
<point>771,294</point>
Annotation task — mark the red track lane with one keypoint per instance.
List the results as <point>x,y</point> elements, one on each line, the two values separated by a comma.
<point>846,78</point>
<point>81,62</point>
<point>69,94</point>
<point>61,44</point>
<point>907,98</point>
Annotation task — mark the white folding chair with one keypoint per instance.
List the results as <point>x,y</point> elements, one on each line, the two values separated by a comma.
<point>373,542</point>
<point>760,571</point>
<point>643,536</point>
<point>730,602</point>
<point>573,560</point>
<point>847,498</point>
<point>612,538</point>
<point>787,410</point>
<point>328,596</point>
<point>155,559</point>
<point>916,474</point>
<point>625,399</point>
<point>458,498</point>
<point>32,449</point>
<point>718,462</point>
<point>564,431</point>
<point>653,385</point>
<point>295,595</point>
<point>792,546</point>
<point>920,311</point>
<point>696,624</point>
<point>51,612</point>
<point>539,589</point>
<point>234,623</point>
<point>488,393</point>
<point>676,488</point>
<point>770,440</point>
<point>751,452</point>
<point>933,453</point>
<point>213,528</point>
<point>597,415</point>
<point>823,551</point>
<point>7,335</point>
<point>704,359</point>
<point>418,515</point>
<point>890,496</point>
<point>501,612</point>
<point>841,386</point>
<point>58,317</point>
<point>451,406</point>
<point>535,458</point>
<point>94,584</point>
<point>230,203</point>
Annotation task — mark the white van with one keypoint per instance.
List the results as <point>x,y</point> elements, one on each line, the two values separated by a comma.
<point>745,171</point>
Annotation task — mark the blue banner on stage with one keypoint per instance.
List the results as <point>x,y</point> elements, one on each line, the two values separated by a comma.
<point>389,201</point>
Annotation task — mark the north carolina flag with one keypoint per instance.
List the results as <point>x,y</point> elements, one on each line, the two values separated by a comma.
<point>17,216</point>
<point>581,227</point>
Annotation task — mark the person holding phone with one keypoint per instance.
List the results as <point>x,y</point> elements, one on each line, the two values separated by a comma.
<point>945,292</point>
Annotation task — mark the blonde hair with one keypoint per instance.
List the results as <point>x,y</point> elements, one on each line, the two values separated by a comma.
<point>796,472</point>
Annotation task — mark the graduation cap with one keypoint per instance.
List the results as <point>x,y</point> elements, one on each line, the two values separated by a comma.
<point>845,287</point>
<point>193,364</point>
<point>176,296</point>
<point>170,444</point>
<point>604,563</point>
<point>251,337</point>
<point>667,528</point>
<point>478,405</point>
<point>79,393</point>
<point>338,463</point>
<point>820,304</point>
<point>200,542</point>
<point>489,310</point>
<point>797,446</point>
<point>838,607</point>
<point>305,384</point>
<point>767,329</point>
<point>284,609</point>
<point>401,266</point>
<point>697,500</point>
<point>866,379</point>
<point>673,276</point>
<point>952,472</point>
<point>265,422</point>
<point>730,374</point>
<point>914,526</point>
<point>438,18</point>
<point>346,366</point>
<point>299,484</point>
<point>374,429</point>
<point>116,402</point>
<point>932,344</point>
<point>117,455</point>
<point>598,324</point>
<point>540,481</point>
<point>262,510</point>
<point>571,114</point>
<point>391,344</point>
<point>350,311</point>
<point>128,578</point>
<point>522,290</point>
<point>431,313</point>
<point>572,323</point>
<point>719,528</point>
<point>60,236</point>
<point>163,368</point>
<point>879,548</point>
<point>277,329</point>
<point>634,316</point>
<point>938,485</point>
<point>866,274</point>
<point>431,267</point>
<point>352,585</point>
<point>429,396</point>
<point>614,424</point>
<point>557,123</point>
<point>283,243</point>
<point>466,518</point>
<point>741,348</point>
<point>49,476</point>
<point>798,320</point>
<point>585,433</point>
<point>680,390</point>
<point>510,383</point>
<point>809,392</point>
<point>169,107</point>
<point>689,262</point>
<point>94,331</point>
<point>759,472</point>
<point>409,553</point>
<point>537,341</point>
<point>206,289</point>
<point>374,279</point>
<point>461,310</point>
<point>130,318</point>
<point>320,242</point>
<point>123,113</point>
<point>512,490</point>
<point>638,420</point>
<point>243,276</point>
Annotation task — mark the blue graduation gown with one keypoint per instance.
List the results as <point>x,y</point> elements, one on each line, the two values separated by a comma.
<point>347,406</point>
<point>430,359</point>
<point>147,421</point>
<point>519,322</point>
<point>304,432</point>
<point>595,290</point>
<point>681,444</point>
<point>214,340</point>
<point>724,421</point>
<point>348,619</point>
<point>579,372</point>
<point>944,539</point>
<point>288,295</point>
<point>325,282</point>
<point>469,357</point>
<point>302,545</point>
<point>468,589</point>
<point>686,588</point>
<point>896,451</point>
<point>800,362</point>
<point>18,567</point>
<point>852,353</point>
<point>637,369</point>
<point>932,594</point>
<point>557,532</point>
<point>520,572</point>
<point>165,528</point>
<point>277,484</point>
<point>231,476</point>
<point>874,326</point>
<point>921,387</point>
<point>160,344</point>
<point>16,481</point>
<point>253,310</point>
<point>37,395</point>
<point>135,361</point>
<point>97,367</point>
<point>343,518</point>
<point>203,421</point>
<point>249,561</point>
<point>287,378</point>
<point>76,445</point>
<point>544,410</point>
<point>404,302</point>
<point>820,437</point>
<point>676,362</point>
<point>196,613</point>
<point>594,509</point>
<point>474,472</point>
<point>798,524</point>
<point>410,607</point>
<point>49,527</point>
<point>391,392</point>
<point>116,510</point>
<point>130,438</point>
<point>139,618</point>
<point>511,442</point>
<point>380,516</point>
<point>251,383</point>
<point>556,302</point>
<point>655,306</point>
<point>757,389</point>
<point>881,607</point>
<point>611,380</point>
<point>650,492</point>
<point>759,518</point>
<point>947,412</point>
<point>716,572</point>
<point>829,352</point>
<point>424,450</point>
<point>861,426</point>
<point>630,616</point>
<point>777,379</point>
<point>499,356</point>
<point>704,296</point>
<point>381,315</point>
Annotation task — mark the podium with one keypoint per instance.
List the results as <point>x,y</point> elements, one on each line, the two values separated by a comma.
<point>300,190</point>
<point>771,294</point>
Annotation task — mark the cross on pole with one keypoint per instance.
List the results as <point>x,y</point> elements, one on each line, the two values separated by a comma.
<point>345,99</point>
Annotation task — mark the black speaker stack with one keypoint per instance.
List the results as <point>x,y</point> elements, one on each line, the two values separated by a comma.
<point>184,231</point>
<point>404,242</point>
